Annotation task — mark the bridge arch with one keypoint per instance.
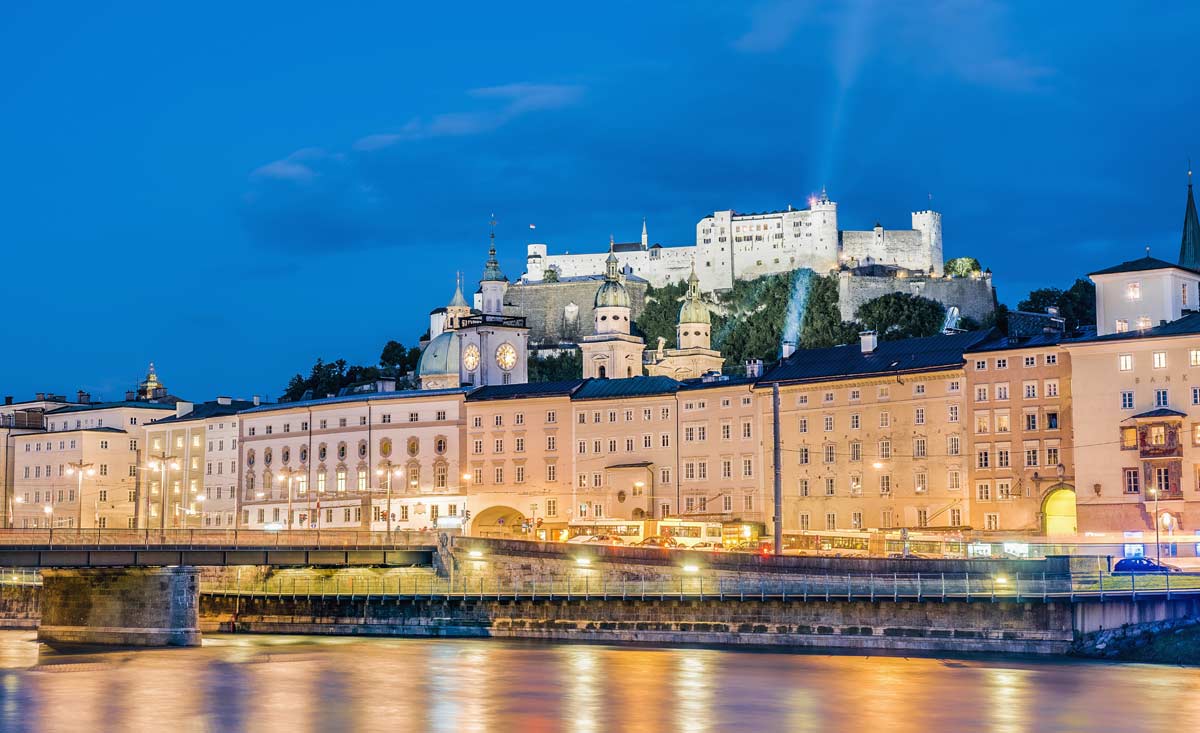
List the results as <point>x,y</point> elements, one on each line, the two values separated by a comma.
<point>1058,512</point>
<point>497,521</point>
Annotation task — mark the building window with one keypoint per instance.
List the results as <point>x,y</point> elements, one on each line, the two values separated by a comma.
<point>919,416</point>
<point>1125,362</point>
<point>991,522</point>
<point>1132,481</point>
<point>1133,291</point>
<point>1160,360</point>
<point>1160,398</point>
<point>1127,399</point>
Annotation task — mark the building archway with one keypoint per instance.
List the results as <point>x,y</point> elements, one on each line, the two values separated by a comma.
<point>1058,512</point>
<point>497,521</point>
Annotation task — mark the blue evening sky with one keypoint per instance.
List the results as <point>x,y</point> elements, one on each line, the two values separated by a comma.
<point>234,189</point>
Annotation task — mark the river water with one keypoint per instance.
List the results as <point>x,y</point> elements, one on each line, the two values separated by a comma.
<point>296,684</point>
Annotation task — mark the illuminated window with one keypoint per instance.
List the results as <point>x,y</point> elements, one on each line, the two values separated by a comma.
<point>1133,291</point>
<point>1125,362</point>
<point>1160,360</point>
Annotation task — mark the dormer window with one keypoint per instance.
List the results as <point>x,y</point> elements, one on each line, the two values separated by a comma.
<point>1143,323</point>
<point>1122,325</point>
<point>1133,291</point>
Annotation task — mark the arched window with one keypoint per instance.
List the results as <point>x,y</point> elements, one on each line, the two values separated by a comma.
<point>440,471</point>
<point>600,372</point>
<point>412,475</point>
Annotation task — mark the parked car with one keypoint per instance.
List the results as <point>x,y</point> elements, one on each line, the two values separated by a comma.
<point>580,539</point>
<point>709,546</point>
<point>658,542</point>
<point>1142,565</point>
<point>607,539</point>
<point>762,546</point>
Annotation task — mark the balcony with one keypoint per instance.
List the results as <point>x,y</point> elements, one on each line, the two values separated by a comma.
<point>1152,444</point>
<point>24,420</point>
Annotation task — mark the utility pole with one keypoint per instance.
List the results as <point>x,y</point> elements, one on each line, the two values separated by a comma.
<point>777,450</point>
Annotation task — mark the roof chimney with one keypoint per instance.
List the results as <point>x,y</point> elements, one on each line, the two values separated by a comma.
<point>868,340</point>
<point>82,397</point>
<point>788,349</point>
<point>8,399</point>
<point>40,396</point>
<point>130,395</point>
<point>224,401</point>
<point>182,408</point>
<point>256,400</point>
<point>754,368</point>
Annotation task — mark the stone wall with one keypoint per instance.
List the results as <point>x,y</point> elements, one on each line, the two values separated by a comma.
<point>544,305</point>
<point>1023,628</point>
<point>19,606</point>
<point>972,296</point>
<point>120,606</point>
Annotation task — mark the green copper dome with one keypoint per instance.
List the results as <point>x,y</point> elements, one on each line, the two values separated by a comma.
<point>693,309</point>
<point>440,356</point>
<point>492,273</point>
<point>612,294</point>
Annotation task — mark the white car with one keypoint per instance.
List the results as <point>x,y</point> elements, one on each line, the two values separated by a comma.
<point>580,539</point>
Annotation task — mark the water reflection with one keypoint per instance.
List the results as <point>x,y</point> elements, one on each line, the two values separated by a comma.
<point>297,684</point>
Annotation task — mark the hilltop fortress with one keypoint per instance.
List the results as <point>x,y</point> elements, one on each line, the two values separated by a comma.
<point>732,246</point>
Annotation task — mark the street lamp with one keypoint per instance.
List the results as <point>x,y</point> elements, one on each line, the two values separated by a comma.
<point>389,470</point>
<point>289,474</point>
<point>1157,543</point>
<point>161,463</point>
<point>49,510</point>
<point>78,469</point>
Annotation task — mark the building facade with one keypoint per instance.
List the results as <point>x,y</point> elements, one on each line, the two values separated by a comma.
<point>730,246</point>
<point>349,462</point>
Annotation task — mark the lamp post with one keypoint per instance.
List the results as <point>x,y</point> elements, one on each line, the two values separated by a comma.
<point>289,474</point>
<point>78,468</point>
<point>49,510</point>
<point>1157,544</point>
<point>161,463</point>
<point>389,469</point>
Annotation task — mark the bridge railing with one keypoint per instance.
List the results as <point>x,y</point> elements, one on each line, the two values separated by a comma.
<point>223,538</point>
<point>876,587</point>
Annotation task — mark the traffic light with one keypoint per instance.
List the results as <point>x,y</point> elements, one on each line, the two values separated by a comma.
<point>466,514</point>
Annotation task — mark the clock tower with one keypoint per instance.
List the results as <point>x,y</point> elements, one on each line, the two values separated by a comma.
<point>494,346</point>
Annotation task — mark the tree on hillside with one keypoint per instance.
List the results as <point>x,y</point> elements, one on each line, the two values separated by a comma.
<point>756,310</point>
<point>822,325</point>
<point>962,266</point>
<point>661,313</point>
<point>567,365</point>
<point>1076,304</point>
<point>901,315</point>
<point>397,356</point>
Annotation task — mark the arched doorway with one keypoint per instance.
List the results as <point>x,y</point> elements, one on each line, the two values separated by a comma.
<point>1058,512</point>
<point>497,521</point>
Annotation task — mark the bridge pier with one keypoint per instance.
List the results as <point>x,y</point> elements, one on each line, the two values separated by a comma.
<point>120,606</point>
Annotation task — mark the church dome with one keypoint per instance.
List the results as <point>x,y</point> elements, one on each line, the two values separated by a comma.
<point>612,294</point>
<point>694,311</point>
<point>440,356</point>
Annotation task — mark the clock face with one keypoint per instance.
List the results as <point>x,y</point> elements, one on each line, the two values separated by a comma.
<point>506,356</point>
<point>471,357</point>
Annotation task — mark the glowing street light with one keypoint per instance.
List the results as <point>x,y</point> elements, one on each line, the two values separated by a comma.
<point>389,470</point>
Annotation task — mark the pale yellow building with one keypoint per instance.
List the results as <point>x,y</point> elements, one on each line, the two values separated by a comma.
<point>874,434</point>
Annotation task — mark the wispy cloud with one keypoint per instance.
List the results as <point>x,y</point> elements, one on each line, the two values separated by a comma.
<point>962,38</point>
<point>515,100</point>
<point>295,167</point>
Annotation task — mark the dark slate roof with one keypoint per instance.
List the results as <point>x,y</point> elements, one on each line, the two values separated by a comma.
<point>208,409</point>
<point>639,464</point>
<point>526,391</point>
<point>627,247</point>
<point>1159,412</point>
<point>723,381</point>
<point>1143,264</point>
<point>1188,325</point>
<point>607,389</point>
<point>629,278</point>
<point>890,357</point>
<point>109,405</point>
<point>364,397</point>
<point>1189,248</point>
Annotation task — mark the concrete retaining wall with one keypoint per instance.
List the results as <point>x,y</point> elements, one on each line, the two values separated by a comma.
<point>1026,628</point>
<point>120,606</point>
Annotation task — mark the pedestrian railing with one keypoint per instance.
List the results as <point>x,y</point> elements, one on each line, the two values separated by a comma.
<point>216,538</point>
<point>587,586</point>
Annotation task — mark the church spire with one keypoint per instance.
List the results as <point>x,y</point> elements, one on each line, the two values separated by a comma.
<point>645,236</point>
<point>1189,247</point>
<point>491,272</point>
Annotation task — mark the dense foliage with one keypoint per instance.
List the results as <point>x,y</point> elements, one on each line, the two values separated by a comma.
<point>823,326</point>
<point>566,365</point>
<point>661,313</point>
<point>1076,304</point>
<point>901,315</point>
<point>325,378</point>
<point>963,266</point>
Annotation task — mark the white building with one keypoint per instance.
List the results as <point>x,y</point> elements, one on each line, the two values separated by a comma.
<point>20,418</point>
<point>197,446</point>
<point>341,461</point>
<point>731,246</point>
<point>85,469</point>
<point>1143,293</point>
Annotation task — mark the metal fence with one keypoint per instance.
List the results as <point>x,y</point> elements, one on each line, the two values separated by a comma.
<point>250,538</point>
<point>586,586</point>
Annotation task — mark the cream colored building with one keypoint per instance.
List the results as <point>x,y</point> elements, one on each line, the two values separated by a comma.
<point>196,449</point>
<point>342,462</point>
<point>1020,441</point>
<point>874,435</point>
<point>20,418</point>
<point>84,471</point>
